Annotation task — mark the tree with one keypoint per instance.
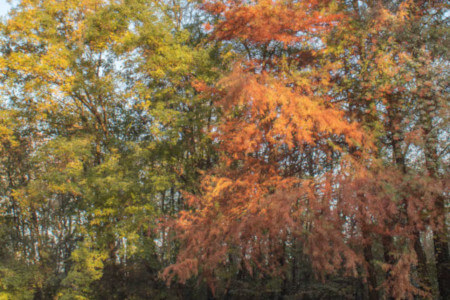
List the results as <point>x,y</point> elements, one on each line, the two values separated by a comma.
<point>108,129</point>
<point>382,62</point>
<point>281,139</point>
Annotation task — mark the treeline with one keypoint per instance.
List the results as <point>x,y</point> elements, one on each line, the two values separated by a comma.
<point>154,149</point>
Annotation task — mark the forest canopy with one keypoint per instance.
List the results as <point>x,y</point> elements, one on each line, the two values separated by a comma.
<point>189,149</point>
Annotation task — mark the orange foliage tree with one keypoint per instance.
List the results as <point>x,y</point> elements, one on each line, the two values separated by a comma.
<point>294,168</point>
<point>388,53</point>
<point>281,140</point>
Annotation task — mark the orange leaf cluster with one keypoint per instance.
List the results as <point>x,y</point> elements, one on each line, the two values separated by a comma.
<point>263,21</point>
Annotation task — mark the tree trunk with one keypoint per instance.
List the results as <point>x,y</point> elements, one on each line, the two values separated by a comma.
<point>371,274</point>
<point>423,273</point>
<point>441,249</point>
<point>442,255</point>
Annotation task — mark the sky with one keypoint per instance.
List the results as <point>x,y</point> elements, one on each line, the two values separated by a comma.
<point>4,8</point>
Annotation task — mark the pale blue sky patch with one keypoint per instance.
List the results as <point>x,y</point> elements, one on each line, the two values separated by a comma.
<point>4,8</point>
